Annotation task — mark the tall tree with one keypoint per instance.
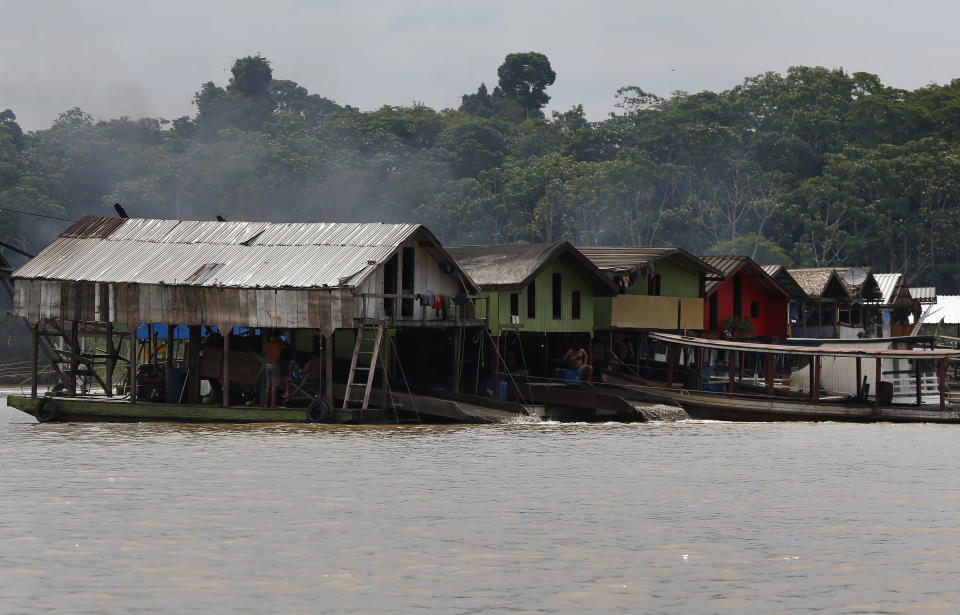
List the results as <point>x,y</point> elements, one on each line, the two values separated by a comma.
<point>524,77</point>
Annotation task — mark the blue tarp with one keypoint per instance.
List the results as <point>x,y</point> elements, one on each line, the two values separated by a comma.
<point>182,332</point>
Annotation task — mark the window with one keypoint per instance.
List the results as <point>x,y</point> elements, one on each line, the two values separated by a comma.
<point>389,284</point>
<point>754,309</point>
<point>575,305</point>
<point>532,300</point>
<point>406,280</point>
<point>653,286</point>
<point>514,304</point>
<point>557,297</point>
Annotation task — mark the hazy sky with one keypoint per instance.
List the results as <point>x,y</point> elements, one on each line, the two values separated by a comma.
<point>148,58</point>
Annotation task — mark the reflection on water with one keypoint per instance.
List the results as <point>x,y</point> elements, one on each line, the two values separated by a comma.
<point>690,517</point>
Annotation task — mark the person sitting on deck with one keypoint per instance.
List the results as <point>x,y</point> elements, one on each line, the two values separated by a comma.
<point>274,371</point>
<point>578,359</point>
<point>297,373</point>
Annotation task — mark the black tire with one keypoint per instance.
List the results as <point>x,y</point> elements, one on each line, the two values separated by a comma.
<point>47,410</point>
<point>319,411</point>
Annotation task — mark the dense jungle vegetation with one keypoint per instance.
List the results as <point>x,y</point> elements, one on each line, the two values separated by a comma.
<point>814,167</point>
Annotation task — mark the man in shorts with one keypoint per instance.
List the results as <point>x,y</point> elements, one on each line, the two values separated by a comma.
<point>274,370</point>
<point>578,359</point>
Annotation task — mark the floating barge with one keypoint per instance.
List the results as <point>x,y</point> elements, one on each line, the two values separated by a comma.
<point>121,306</point>
<point>712,383</point>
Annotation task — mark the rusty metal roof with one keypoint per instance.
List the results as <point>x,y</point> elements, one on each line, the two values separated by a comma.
<point>730,265</point>
<point>230,254</point>
<point>621,259</point>
<point>515,265</point>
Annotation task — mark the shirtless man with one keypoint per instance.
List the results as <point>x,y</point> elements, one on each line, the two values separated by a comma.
<point>578,359</point>
<point>274,371</point>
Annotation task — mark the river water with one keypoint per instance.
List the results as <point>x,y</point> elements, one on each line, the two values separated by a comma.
<point>689,517</point>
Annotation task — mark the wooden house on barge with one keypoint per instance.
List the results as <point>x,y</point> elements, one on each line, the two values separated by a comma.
<point>659,289</point>
<point>542,299</point>
<point>746,302</point>
<point>103,277</point>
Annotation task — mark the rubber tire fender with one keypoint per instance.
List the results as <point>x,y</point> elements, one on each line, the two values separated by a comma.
<point>319,411</point>
<point>47,410</point>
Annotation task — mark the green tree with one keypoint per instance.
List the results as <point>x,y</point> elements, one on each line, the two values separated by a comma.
<point>524,77</point>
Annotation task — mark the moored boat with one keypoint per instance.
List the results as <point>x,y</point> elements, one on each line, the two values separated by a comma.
<point>707,392</point>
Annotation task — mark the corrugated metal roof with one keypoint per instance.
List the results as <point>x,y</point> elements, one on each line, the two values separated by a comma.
<point>889,285</point>
<point>729,265</point>
<point>924,294</point>
<point>514,265</point>
<point>232,254</point>
<point>616,259</point>
<point>946,309</point>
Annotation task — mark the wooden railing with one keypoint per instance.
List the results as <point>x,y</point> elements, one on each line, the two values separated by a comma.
<point>389,308</point>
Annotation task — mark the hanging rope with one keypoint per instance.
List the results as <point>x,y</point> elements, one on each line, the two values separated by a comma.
<point>406,384</point>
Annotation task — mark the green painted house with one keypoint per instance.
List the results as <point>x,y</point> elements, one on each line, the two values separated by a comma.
<point>657,288</point>
<point>535,288</point>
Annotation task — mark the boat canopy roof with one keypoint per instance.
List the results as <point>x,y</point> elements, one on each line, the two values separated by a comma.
<point>823,351</point>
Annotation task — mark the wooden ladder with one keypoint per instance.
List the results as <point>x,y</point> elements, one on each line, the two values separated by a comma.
<point>365,335</point>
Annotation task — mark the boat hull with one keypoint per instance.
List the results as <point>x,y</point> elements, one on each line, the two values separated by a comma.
<point>409,408</point>
<point>725,407</point>
<point>73,409</point>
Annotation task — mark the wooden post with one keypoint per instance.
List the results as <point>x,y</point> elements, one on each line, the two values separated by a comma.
<point>768,372</point>
<point>813,377</point>
<point>170,329</point>
<point>941,376</point>
<point>455,364</point>
<point>193,365</point>
<point>859,376</point>
<point>670,353</point>
<point>919,376</point>
<point>111,363</point>
<point>496,368</point>
<point>546,354</point>
<point>74,350</point>
<point>328,367</point>
<point>732,362</point>
<point>226,334</point>
<point>636,350</point>
<point>877,376</point>
<point>816,379</point>
<point>154,342</point>
<point>133,364</point>
<point>803,314</point>
<point>34,359</point>
<point>700,368</point>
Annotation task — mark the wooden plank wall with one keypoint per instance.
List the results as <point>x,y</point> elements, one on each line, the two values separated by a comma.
<point>324,309</point>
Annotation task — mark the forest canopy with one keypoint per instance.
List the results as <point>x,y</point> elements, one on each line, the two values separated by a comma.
<point>814,167</point>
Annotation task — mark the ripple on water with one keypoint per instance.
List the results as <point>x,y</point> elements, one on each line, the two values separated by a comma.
<point>691,517</point>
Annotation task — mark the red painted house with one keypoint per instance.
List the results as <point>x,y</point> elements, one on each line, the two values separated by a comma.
<point>748,302</point>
